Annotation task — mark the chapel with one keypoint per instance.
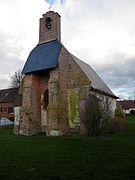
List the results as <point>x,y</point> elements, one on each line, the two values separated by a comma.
<point>57,87</point>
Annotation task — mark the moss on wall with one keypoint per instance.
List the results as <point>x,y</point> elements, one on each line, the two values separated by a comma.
<point>76,76</point>
<point>73,100</point>
<point>51,107</point>
<point>26,109</point>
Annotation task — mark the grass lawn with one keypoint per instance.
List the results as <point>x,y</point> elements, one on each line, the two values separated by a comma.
<point>51,158</point>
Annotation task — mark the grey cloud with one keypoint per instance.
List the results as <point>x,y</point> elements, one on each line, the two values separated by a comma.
<point>81,19</point>
<point>9,58</point>
<point>4,83</point>
<point>119,76</point>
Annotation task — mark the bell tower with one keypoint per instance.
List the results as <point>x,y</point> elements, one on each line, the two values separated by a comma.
<point>49,27</point>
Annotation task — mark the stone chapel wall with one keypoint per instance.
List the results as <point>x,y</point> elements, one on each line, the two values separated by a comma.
<point>66,82</point>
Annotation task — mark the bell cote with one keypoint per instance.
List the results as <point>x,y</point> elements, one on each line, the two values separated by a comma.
<point>49,27</point>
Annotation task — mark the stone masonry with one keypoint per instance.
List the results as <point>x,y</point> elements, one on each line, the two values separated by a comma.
<point>54,99</point>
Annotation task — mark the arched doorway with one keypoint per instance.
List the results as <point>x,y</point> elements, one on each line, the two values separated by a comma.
<point>46,99</point>
<point>43,110</point>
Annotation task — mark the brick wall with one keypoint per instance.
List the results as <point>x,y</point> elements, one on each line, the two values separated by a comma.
<point>46,34</point>
<point>66,76</point>
<point>5,111</point>
<point>44,78</point>
<point>31,106</point>
<point>32,111</point>
<point>63,82</point>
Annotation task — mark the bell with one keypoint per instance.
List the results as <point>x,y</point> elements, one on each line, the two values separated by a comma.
<point>48,23</point>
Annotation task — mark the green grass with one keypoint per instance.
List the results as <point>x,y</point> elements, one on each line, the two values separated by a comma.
<point>41,157</point>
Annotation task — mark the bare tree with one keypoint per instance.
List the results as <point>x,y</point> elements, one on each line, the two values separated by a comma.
<point>16,79</point>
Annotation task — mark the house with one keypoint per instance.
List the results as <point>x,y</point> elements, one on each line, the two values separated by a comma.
<point>128,106</point>
<point>7,98</point>
<point>57,86</point>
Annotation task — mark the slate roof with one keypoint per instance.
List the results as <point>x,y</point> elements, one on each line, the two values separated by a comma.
<point>43,56</point>
<point>8,95</point>
<point>126,104</point>
<point>96,82</point>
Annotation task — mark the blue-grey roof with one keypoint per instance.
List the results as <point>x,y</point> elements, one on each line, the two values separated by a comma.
<point>43,56</point>
<point>96,81</point>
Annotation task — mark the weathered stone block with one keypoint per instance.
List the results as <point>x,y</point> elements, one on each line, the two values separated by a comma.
<point>55,133</point>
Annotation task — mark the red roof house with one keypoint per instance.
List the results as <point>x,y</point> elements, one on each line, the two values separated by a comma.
<point>7,98</point>
<point>128,106</point>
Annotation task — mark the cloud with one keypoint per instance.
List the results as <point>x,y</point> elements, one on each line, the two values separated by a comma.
<point>4,79</point>
<point>120,76</point>
<point>102,33</point>
<point>18,33</point>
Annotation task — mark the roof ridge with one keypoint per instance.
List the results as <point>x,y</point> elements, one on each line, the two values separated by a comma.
<point>9,88</point>
<point>96,81</point>
<point>44,42</point>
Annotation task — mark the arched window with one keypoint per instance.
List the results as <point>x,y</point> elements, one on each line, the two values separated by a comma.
<point>46,99</point>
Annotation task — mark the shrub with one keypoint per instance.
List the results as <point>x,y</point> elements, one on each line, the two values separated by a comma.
<point>119,113</point>
<point>98,116</point>
<point>99,120</point>
<point>118,124</point>
<point>93,116</point>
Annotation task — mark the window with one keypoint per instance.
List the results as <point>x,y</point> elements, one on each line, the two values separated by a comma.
<point>0,109</point>
<point>48,23</point>
<point>46,97</point>
<point>5,110</point>
<point>10,110</point>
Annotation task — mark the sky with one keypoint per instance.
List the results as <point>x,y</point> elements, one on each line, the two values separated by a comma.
<point>100,32</point>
